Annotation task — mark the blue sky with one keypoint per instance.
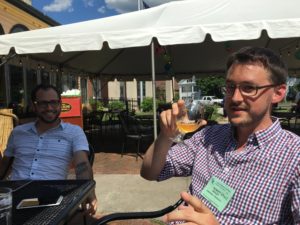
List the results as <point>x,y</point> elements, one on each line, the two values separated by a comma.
<point>71,11</point>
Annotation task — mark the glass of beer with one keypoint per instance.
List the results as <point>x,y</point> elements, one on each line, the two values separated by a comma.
<point>189,120</point>
<point>5,206</point>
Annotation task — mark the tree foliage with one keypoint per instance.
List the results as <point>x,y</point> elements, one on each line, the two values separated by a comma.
<point>211,85</point>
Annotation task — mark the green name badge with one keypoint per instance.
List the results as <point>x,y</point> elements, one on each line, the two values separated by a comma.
<point>217,193</point>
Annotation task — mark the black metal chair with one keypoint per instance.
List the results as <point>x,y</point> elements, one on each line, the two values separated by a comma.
<point>6,174</point>
<point>137,215</point>
<point>91,155</point>
<point>134,130</point>
<point>93,122</point>
<point>9,161</point>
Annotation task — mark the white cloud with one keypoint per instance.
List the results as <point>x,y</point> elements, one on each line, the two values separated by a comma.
<point>101,10</point>
<point>123,6</point>
<point>59,6</point>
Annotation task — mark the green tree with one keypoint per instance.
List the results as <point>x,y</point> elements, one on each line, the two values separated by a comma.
<point>211,85</point>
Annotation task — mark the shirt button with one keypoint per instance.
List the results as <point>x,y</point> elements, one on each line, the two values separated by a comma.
<point>35,159</point>
<point>226,169</point>
<point>38,150</point>
<point>32,173</point>
<point>41,137</point>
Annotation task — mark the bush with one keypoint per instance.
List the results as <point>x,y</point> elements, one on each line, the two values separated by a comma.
<point>147,104</point>
<point>116,105</point>
<point>208,112</point>
<point>96,105</point>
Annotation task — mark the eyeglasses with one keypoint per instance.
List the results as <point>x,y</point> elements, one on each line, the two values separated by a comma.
<point>44,104</point>
<point>248,90</point>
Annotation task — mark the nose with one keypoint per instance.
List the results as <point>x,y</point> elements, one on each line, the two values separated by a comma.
<point>236,95</point>
<point>49,106</point>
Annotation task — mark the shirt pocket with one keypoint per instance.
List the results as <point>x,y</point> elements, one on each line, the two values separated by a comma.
<point>58,147</point>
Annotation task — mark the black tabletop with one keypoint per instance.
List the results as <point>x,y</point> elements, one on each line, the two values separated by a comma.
<point>74,192</point>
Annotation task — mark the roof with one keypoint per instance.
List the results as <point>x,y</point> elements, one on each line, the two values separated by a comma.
<point>34,12</point>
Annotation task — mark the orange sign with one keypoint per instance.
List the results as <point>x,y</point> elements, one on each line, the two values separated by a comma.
<point>70,107</point>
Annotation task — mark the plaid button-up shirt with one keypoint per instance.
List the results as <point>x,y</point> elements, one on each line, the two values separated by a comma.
<point>265,175</point>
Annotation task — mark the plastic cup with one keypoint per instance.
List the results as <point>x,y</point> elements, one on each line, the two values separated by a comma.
<point>5,206</point>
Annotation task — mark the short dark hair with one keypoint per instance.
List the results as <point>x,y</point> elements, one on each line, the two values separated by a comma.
<point>269,59</point>
<point>44,87</point>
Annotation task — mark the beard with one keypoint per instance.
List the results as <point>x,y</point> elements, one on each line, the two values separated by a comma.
<point>248,119</point>
<point>43,118</point>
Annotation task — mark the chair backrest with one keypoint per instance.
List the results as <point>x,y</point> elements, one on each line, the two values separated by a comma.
<point>96,117</point>
<point>8,121</point>
<point>91,155</point>
<point>129,123</point>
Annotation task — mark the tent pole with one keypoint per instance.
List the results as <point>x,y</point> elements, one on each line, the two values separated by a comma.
<point>153,89</point>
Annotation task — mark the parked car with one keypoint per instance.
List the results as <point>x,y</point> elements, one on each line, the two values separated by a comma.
<point>210,100</point>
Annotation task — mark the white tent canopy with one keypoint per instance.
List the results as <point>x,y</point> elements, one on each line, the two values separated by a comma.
<point>198,35</point>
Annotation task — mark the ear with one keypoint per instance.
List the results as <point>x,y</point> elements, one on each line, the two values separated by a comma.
<point>279,93</point>
<point>32,106</point>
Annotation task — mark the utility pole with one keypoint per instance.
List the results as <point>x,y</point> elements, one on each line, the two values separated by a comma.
<point>141,82</point>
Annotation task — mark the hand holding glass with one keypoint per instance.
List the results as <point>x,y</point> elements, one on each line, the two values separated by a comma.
<point>188,120</point>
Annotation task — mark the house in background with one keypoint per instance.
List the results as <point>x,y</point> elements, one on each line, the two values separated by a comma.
<point>188,89</point>
<point>136,91</point>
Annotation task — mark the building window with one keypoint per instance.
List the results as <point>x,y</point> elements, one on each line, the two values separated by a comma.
<point>186,88</point>
<point>45,77</point>
<point>1,30</point>
<point>18,28</point>
<point>16,89</point>
<point>83,88</point>
<point>68,82</point>
<point>122,89</point>
<point>2,88</point>
<point>139,83</point>
<point>31,81</point>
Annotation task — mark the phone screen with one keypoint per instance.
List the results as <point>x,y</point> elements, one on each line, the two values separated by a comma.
<point>36,202</point>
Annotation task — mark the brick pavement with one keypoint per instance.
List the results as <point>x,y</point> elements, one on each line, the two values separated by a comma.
<point>113,163</point>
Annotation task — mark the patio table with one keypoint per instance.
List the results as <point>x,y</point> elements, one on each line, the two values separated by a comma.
<point>74,192</point>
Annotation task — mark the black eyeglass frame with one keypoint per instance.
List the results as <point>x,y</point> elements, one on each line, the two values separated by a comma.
<point>44,104</point>
<point>233,87</point>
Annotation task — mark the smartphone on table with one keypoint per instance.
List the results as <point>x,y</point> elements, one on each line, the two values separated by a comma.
<point>39,202</point>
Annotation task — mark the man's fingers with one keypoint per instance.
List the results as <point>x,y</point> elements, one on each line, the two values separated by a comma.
<point>175,109</point>
<point>166,117</point>
<point>195,202</point>
<point>180,103</point>
<point>176,215</point>
<point>196,213</point>
<point>90,207</point>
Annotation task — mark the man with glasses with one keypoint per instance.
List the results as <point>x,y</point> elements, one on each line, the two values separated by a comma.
<point>44,149</point>
<point>244,172</point>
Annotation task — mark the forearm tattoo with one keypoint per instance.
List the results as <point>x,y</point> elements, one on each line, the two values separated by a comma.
<point>82,170</point>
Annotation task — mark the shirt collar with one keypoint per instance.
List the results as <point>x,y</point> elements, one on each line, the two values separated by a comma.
<point>32,126</point>
<point>264,136</point>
